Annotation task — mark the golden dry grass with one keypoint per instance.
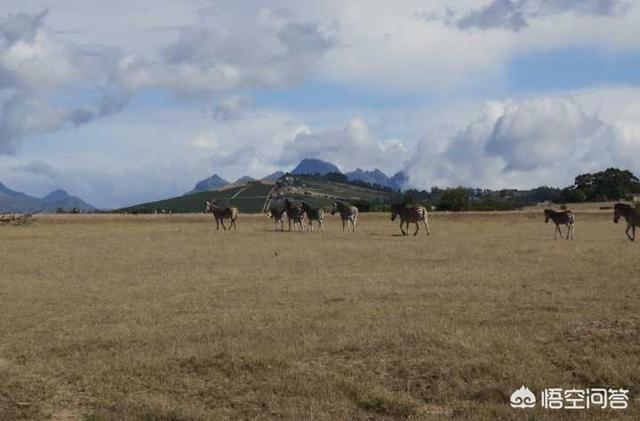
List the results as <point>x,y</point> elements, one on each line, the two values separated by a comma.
<point>142,317</point>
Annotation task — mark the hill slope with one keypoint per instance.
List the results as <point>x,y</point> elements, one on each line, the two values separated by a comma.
<point>249,198</point>
<point>252,197</point>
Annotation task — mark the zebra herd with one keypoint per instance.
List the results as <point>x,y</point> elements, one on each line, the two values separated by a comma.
<point>620,210</point>
<point>299,212</point>
<point>302,215</point>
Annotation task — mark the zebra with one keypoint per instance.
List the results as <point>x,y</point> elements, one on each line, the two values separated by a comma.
<point>566,218</point>
<point>294,213</point>
<point>348,214</point>
<point>314,214</point>
<point>230,212</point>
<point>277,213</point>
<point>410,213</point>
<point>630,214</point>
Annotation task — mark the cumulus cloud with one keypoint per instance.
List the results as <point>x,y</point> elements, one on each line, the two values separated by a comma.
<point>259,144</point>
<point>235,48</point>
<point>525,143</point>
<point>515,14</point>
<point>224,51</point>
<point>349,147</point>
<point>34,65</point>
<point>540,132</point>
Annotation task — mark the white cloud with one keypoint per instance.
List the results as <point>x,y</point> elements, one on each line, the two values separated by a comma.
<point>540,132</point>
<point>230,48</point>
<point>349,147</point>
<point>224,51</point>
<point>206,141</point>
<point>35,64</point>
<point>525,143</point>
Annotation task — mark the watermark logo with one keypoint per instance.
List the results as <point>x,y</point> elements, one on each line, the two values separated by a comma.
<point>523,398</point>
<point>557,398</point>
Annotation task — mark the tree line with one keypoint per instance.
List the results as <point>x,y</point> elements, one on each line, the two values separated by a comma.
<point>611,184</point>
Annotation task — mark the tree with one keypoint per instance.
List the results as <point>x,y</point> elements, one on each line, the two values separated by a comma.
<point>456,199</point>
<point>610,184</point>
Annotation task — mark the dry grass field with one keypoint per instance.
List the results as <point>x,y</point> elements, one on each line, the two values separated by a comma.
<point>163,318</point>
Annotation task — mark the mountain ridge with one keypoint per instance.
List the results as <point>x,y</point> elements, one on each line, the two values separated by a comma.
<point>313,166</point>
<point>15,201</point>
<point>309,166</point>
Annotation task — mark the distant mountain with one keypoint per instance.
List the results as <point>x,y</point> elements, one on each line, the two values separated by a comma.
<point>314,166</point>
<point>244,180</point>
<point>60,199</point>
<point>212,183</point>
<point>13,201</point>
<point>274,176</point>
<point>398,180</point>
<point>372,177</point>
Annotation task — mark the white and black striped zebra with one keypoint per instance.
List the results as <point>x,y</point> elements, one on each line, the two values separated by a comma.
<point>348,214</point>
<point>220,214</point>
<point>277,213</point>
<point>410,214</point>
<point>566,218</point>
<point>631,215</point>
<point>313,214</point>
<point>295,213</point>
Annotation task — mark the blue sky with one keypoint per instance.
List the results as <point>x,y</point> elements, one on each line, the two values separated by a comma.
<point>572,68</point>
<point>490,93</point>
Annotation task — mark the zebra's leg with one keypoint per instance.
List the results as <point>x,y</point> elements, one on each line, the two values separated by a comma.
<point>223,226</point>
<point>217,224</point>
<point>402,229</point>
<point>426,226</point>
<point>573,231</point>
<point>354,221</point>
<point>417,228</point>
<point>570,232</point>
<point>343,221</point>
